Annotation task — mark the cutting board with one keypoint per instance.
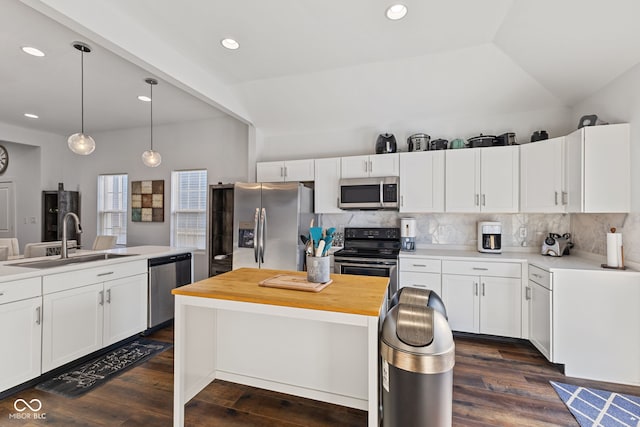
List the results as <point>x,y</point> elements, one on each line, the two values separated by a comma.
<point>298,283</point>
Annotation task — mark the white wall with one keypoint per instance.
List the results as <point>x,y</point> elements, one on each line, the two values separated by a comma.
<point>218,145</point>
<point>618,102</point>
<point>37,162</point>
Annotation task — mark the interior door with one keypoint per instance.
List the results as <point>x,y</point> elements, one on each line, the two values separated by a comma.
<point>7,210</point>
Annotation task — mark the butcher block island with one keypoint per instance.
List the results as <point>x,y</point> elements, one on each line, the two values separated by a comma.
<point>319,345</point>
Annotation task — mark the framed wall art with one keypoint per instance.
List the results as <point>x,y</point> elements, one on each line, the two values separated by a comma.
<point>147,201</point>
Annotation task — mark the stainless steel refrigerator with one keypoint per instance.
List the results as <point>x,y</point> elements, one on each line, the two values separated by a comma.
<point>268,219</point>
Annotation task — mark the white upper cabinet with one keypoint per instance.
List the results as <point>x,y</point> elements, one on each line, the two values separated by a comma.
<point>422,181</point>
<point>282,171</point>
<point>482,179</point>
<point>542,186</point>
<point>598,169</point>
<point>376,165</point>
<point>327,185</point>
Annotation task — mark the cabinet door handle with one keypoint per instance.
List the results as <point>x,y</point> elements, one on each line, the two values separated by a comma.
<point>105,274</point>
<point>337,202</point>
<point>38,315</point>
<point>484,200</point>
<point>565,196</point>
<point>366,166</point>
<point>419,265</point>
<point>480,268</point>
<point>401,201</point>
<point>475,285</point>
<point>1,294</point>
<point>528,293</point>
<point>108,296</point>
<point>482,288</point>
<point>286,172</point>
<point>556,198</point>
<point>282,171</point>
<point>370,166</point>
<point>536,275</point>
<point>477,199</point>
<point>101,293</point>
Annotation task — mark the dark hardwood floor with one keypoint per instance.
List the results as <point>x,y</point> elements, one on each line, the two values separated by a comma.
<point>496,383</point>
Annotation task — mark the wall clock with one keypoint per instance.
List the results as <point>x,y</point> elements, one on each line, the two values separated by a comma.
<point>4,159</point>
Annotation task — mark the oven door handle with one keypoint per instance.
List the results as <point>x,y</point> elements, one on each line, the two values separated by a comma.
<point>381,193</point>
<point>377,264</point>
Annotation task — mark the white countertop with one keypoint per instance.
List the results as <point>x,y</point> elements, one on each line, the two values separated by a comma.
<point>575,261</point>
<point>8,271</point>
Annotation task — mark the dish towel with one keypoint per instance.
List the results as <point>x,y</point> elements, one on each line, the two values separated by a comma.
<point>594,408</point>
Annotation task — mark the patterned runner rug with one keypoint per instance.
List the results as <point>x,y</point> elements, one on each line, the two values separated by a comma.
<point>595,408</point>
<point>85,377</point>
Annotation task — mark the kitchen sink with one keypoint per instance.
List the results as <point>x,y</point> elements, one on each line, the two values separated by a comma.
<point>57,262</point>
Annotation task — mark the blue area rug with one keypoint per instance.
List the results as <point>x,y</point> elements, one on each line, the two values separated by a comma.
<point>595,408</point>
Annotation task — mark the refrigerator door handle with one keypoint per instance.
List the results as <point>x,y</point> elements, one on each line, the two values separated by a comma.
<point>255,234</point>
<point>263,234</point>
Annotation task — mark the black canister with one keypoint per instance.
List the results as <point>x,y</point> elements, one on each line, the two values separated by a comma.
<point>539,135</point>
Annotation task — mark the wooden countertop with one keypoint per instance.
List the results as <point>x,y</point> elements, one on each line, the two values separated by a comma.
<point>347,294</point>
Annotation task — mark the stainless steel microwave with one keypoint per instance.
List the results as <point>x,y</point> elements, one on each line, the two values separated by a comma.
<point>369,193</point>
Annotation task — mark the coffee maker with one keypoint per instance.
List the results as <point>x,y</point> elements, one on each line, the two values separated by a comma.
<point>490,237</point>
<point>408,234</point>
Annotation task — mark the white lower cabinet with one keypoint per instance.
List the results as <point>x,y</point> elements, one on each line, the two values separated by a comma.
<point>487,303</point>
<point>72,325</point>
<point>20,331</point>
<point>87,317</point>
<point>540,298</point>
<point>420,272</point>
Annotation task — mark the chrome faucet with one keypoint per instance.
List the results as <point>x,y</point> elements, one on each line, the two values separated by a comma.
<point>63,247</point>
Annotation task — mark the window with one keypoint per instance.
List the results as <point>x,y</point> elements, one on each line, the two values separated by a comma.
<point>112,206</point>
<point>189,208</point>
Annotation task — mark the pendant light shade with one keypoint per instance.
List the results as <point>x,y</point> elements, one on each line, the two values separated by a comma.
<point>80,143</point>
<point>151,158</point>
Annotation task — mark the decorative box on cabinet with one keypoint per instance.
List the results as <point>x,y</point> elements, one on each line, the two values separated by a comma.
<point>482,179</point>
<point>598,169</point>
<point>483,297</point>
<point>377,165</point>
<point>285,171</point>
<point>422,181</point>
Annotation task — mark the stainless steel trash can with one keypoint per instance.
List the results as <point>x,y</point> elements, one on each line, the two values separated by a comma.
<point>418,355</point>
<point>418,295</point>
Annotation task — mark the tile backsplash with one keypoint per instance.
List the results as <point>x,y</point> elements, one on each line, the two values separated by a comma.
<point>458,229</point>
<point>589,233</point>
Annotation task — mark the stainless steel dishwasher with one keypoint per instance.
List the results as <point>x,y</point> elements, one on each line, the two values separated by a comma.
<point>166,273</point>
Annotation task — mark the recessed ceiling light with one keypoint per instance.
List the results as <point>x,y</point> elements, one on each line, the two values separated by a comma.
<point>144,98</point>
<point>397,11</point>
<point>230,44</point>
<point>32,51</point>
<point>31,116</point>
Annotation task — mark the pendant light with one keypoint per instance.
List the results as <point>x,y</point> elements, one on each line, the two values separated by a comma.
<point>80,143</point>
<point>151,158</point>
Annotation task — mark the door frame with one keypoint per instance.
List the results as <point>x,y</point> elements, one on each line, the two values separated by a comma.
<point>11,209</point>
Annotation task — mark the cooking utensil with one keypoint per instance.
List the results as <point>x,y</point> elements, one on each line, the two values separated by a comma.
<point>418,142</point>
<point>481,141</point>
<point>320,248</point>
<point>316,235</point>
<point>457,143</point>
<point>539,135</point>
<point>438,144</point>
<point>327,245</point>
<point>386,143</point>
<point>304,239</point>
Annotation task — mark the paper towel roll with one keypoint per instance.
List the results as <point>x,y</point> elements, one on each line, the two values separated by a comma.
<point>614,249</point>
<point>407,227</point>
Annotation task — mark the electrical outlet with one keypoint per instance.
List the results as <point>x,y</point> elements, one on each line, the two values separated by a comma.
<point>523,232</point>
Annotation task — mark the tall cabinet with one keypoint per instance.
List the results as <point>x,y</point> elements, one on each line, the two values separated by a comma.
<point>220,236</point>
<point>55,205</point>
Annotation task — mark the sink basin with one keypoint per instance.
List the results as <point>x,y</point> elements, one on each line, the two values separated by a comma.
<point>57,262</point>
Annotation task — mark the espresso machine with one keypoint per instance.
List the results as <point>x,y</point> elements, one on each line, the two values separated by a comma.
<point>408,234</point>
<point>490,237</point>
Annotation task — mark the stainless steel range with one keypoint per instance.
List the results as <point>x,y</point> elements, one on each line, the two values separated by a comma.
<point>370,252</point>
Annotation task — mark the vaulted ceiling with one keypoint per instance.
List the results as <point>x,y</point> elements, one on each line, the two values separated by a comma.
<point>311,64</point>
